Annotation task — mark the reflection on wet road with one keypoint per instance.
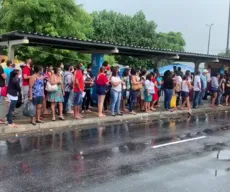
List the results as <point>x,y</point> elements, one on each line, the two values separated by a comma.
<point>78,159</point>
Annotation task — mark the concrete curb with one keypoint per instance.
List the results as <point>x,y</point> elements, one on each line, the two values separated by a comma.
<point>95,121</point>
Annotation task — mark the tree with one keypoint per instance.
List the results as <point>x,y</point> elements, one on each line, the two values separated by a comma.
<point>62,18</point>
<point>133,30</point>
<point>224,54</point>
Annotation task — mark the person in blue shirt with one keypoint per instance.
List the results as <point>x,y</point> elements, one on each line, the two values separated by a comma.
<point>8,70</point>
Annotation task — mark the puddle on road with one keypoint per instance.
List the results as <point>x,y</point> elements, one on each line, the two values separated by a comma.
<point>222,172</point>
<point>223,155</point>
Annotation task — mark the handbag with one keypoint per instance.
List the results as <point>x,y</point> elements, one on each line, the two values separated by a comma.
<point>4,91</point>
<point>137,87</point>
<point>173,101</point>
<point>51,88</point>
<point>29,110</point>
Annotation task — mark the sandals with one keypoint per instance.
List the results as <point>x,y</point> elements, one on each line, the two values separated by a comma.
<point>39,121</point>
<point>33,123</point>
<point>62,118</point>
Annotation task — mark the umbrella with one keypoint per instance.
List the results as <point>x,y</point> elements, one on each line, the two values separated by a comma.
<point>184,68</point>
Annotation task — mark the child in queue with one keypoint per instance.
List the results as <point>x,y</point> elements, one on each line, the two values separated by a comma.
<point>148,92</point>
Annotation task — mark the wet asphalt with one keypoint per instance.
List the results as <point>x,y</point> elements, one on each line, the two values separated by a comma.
<point>122,157</point>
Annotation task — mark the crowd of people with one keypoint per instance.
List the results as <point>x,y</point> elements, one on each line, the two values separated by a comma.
<point>68,89</point>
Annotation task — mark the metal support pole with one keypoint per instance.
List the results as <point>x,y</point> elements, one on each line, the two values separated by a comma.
<point>227,48</point>
<point>11,50</point>
<point>197,64</point>
<point>11,46</point>
<point>209,36</point>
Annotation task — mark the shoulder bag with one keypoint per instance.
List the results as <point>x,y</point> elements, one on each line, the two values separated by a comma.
<point>51,88</point>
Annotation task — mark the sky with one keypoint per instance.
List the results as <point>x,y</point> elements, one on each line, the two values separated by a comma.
<point>186,16</point>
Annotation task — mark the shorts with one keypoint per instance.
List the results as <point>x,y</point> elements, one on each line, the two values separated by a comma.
<point>214,90</point>
<point>77,99</point>
<point>38,100</point>
<point>101,89</point>
<point>25,90</point>
<point>184,94</point>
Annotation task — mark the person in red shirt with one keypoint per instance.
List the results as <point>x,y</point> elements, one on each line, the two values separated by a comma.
<point>155,95</point>
<point>101,88</point>
<point>26,74</point>
<point>79,86</point>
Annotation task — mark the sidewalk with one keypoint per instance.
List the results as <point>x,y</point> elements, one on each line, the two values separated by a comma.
<point>91,119</point>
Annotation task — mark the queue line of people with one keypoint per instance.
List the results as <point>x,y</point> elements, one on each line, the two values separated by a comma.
<point>67,89</point>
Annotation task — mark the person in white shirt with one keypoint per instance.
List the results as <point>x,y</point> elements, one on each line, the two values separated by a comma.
<point>178,82</point>
<point>185,89</point>
<point>116,92</point>
<point>149,90</point>
<point>197,89</point>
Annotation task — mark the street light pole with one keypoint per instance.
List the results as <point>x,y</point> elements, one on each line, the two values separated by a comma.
<point>209,36</point>
<point>227,48</point>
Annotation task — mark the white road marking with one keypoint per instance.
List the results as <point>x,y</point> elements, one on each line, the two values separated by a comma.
<point>177,142</point>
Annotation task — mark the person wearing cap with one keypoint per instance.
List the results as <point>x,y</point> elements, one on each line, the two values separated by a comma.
<point>204,84</point>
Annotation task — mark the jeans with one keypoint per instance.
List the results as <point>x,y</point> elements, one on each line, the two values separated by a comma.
<point>66,99</point>
<point>196,98</point>
<point>11,110</point>
<point>219,98</point>
<point>86,100</point>
<point>70,101</point>
<point>201,96</point>
<point>132,99</point>
<point>168,97</point>
<point>116,101</point>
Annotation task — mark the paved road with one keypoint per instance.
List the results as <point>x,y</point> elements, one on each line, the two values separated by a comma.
<point>129,157</point>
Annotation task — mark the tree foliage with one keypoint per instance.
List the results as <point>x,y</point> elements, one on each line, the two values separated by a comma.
<point>66,18</point>
<point>62,17</point>
<point>224,54</point>
<point>133,30</point>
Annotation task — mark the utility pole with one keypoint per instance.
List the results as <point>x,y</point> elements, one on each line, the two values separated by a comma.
<point>209,36</point>
<point>227,48</point>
